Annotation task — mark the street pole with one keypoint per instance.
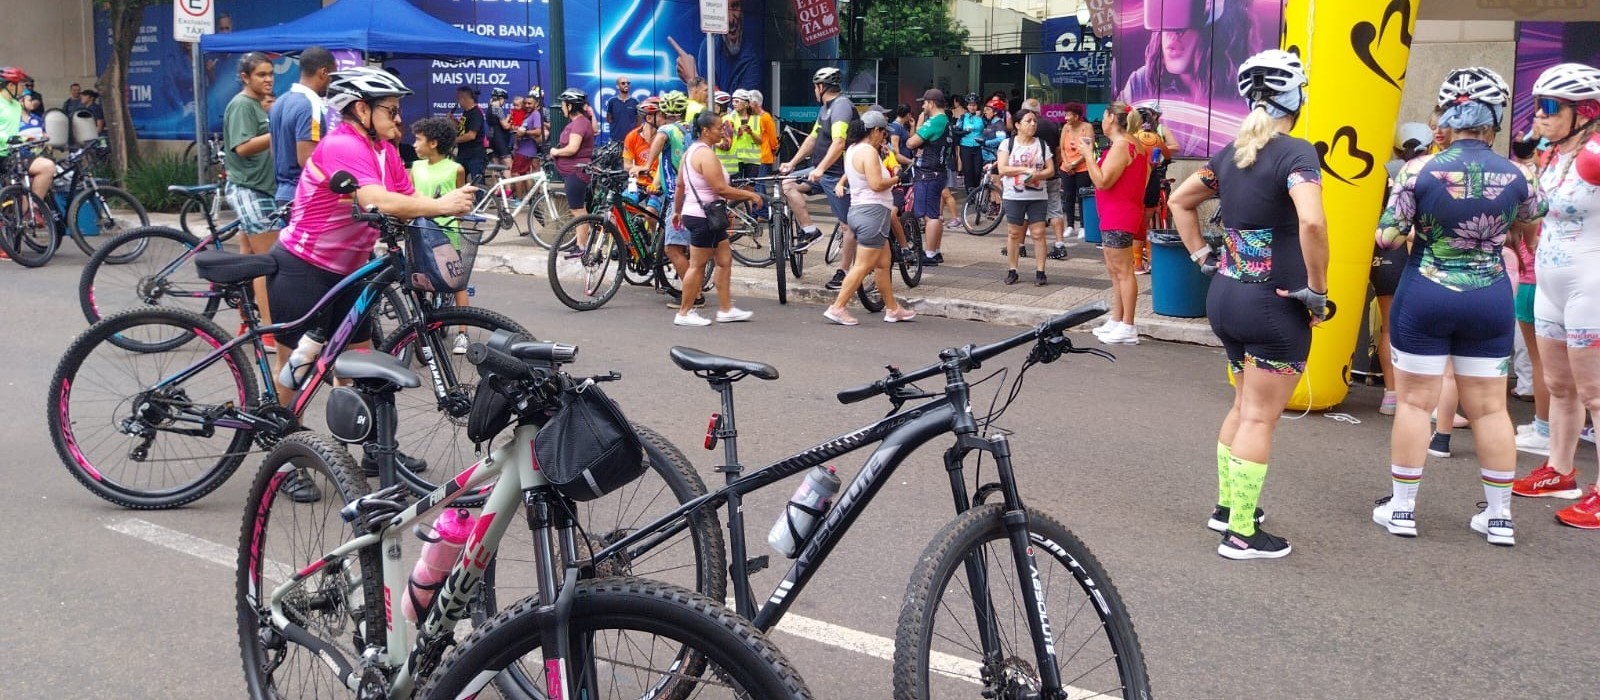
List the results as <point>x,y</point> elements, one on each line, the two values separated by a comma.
<point>199,116</point>
<point>711,67</point>
<point>558,64</point>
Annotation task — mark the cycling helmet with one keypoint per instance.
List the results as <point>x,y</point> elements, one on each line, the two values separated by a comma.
<point>536,93</point>
<point>723,98</point>
<point>741,95</point>
<point>650,105</point>
<point>1273,79</point>
<point>1474,85</point>
<point>12,74</point>
<point>1569,81</point>
<point>500,93</point>
<point>828,75</point>
<point>361,84</point>
<point>675,103</point>
<point>574,96</point>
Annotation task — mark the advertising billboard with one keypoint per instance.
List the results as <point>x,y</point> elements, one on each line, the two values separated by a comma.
<point>1182,55</point>
<point>1541,45</point>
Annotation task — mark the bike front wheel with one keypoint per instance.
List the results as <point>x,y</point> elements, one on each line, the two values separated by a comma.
<point>585,266</point>
<point>910,262</point>
<point>27,227</point>
<point>782,238</point>
<point>981,212</point>
<point>103,213</point>
<point>545,216</point>
<point>835,246</point>
<point>632,638</point>
<point>750,239</point>
<point>942,651</point>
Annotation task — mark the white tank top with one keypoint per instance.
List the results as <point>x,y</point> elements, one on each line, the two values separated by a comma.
<point>860,192</point>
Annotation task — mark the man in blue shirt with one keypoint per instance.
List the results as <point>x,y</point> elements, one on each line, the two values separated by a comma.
<point>298,120</point>
<point>622,110</point>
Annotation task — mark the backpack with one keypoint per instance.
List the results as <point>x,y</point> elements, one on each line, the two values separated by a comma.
<point>945,146</point>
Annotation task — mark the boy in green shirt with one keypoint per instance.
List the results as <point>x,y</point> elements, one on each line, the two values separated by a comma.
<point>434,174</point>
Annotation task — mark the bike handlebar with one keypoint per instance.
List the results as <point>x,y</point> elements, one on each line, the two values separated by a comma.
<point>972,356</point>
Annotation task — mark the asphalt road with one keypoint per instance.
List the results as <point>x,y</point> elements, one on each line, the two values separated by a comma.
<point>1123,454</point>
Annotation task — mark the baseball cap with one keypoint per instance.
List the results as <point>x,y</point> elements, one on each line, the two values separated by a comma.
<point>934,94</point>
<point>873,119</point>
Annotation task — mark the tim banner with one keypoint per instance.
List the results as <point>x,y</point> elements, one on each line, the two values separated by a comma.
<point>435,79</point>
<point>160,73</point>
<point>1182,55</point>
<point>1541,45</point>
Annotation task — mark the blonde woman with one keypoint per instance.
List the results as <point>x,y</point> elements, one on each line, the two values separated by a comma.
<point>1119,177</point>
<point>1272,286</point>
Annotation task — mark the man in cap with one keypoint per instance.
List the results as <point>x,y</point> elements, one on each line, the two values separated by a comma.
<point>929,170</point>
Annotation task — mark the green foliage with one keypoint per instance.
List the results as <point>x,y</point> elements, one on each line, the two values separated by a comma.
<point>910,28</point>
<point>148,179</point>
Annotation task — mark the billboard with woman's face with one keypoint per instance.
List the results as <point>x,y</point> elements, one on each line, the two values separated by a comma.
<point>1182,55</point>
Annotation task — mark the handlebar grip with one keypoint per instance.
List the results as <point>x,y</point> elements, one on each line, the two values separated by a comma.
<point>1080,315</point>
<point>861,393</point>
<point>490,361</point>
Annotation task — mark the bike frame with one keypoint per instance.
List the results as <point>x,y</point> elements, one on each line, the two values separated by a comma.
<point>515,205</point>
<point>898,434</point>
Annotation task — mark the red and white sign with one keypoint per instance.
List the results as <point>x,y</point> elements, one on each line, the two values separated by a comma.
<point>1103,17</point>
<point>819,20</point>
<point>192,19</point>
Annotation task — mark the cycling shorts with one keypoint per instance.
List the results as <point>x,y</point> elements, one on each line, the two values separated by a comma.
<point>577,191</point>
<point>1112,238</point>
<point>1258,328</point>
<point>1526,292</point>
<point>1387,267</point>
<point>296,288</point>
<point>1152,192</point>
<point>839,205</point>
<point>1430,325</point>
<point>1567,304</point>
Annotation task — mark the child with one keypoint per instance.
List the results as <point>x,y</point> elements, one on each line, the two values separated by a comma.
<point>435,174</point>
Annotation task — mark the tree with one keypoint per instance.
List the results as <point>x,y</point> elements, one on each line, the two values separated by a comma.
<point>123,17</point>
<point>890,28</point>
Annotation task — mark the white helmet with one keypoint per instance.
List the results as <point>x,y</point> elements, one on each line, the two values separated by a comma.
<point>1270,73</point>
<point>363,83</point>
<point>828,75</point>
<point>1476,84</point>
<point>1569,81</point>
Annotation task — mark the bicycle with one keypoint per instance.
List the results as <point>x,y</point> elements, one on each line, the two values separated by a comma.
<point>980,214</point>
<point>35,226</point>
<point>537,213</point>
<point>165,425</point>
<point>622,239</point>
<point>205,198</point>
<point>972,647</point>
<point>297,624</point>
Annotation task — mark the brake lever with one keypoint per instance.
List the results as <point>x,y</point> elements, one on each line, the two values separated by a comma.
<point>1097,352</point>
<point>611,376</point>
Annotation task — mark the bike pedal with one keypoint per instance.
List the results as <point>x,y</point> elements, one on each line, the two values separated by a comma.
<point>754,564</point>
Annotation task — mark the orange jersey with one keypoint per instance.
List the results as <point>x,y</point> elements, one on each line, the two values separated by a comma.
<point>634,147</point>
<point>769,139</point>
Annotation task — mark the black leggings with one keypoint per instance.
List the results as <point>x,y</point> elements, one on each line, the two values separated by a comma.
<point>1070,183</point>
<point>971,166</point>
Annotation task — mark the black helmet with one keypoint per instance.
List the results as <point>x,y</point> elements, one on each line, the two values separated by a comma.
<point>500,93</point>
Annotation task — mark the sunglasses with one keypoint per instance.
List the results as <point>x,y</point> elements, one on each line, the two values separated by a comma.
<point>1551,106</point>
<point>393,110</point>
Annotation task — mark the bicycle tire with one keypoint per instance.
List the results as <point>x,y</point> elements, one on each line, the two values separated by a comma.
<point>782,238</point>
<point>316,527</point>
<point>946,554</point>
<point>27,227</point>
<point>106,288</point>
<point>911,270</point>
<point>432,430</point>
<point>869,296</point>
<point>750,240</point>
<point>547,216</point>
<point>981,213</point>
<point>715,636</point>
<point>835,245</point>
<point>598,271</point>
<point>111,219</point>
<point>192,210</point>
<point>603,520</point>
<point>75,432</point>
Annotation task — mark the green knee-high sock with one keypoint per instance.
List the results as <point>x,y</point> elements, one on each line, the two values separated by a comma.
<point>1224,454</point>
<point>1245,480</point>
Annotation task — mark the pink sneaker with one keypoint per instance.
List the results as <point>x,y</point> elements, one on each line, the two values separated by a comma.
<point>898,315</point>
<point>841,317</point>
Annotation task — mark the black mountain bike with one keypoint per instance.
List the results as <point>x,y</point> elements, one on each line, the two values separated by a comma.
<point>983,609</point>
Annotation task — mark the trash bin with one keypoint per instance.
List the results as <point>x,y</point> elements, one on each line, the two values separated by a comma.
<point>1177,286</point>
<point>1091,215</point>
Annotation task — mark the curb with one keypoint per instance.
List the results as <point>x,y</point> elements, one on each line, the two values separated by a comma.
<point>534,264</point>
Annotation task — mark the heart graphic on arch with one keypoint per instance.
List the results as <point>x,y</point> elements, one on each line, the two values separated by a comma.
<point>1333,161</point>
<point>1365,38</point>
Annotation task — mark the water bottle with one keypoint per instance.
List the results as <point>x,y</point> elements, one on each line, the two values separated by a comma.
<point>298,369</point>
<point>805,508</point>
<point>439,556</point>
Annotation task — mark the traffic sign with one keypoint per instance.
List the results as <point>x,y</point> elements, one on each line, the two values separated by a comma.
<point>192,19</point>
<point>713,16</point>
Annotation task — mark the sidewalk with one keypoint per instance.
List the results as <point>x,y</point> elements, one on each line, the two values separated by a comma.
<point>969,285</point>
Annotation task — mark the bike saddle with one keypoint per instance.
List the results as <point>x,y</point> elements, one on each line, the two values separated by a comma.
<point>367,367</point>
<point>495,168</point>
<point>232,268</point>
<point>698,361</point>
<point>191,190</point>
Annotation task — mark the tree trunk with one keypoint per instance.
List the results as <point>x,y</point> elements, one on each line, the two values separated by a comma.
<point>113,84</point>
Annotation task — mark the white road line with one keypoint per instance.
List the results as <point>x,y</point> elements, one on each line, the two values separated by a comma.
<point>803,627</point>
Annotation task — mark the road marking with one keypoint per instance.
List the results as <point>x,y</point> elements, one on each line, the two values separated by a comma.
<point>814,630</point>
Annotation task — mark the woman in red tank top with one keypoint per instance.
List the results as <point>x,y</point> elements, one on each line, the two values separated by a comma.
<point>1119,177</point>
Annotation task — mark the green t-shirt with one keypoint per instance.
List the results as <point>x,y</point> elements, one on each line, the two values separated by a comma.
<point>245,119</point>
<point>10,122</point>
<point>434,180</point>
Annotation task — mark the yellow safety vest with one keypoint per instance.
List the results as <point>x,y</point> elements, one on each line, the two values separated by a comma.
<point>746,147</point>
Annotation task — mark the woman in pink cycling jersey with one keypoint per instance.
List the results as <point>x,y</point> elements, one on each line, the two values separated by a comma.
<point>323,242</point>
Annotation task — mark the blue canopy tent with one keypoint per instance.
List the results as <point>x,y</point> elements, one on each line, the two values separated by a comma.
<point>380,28</point>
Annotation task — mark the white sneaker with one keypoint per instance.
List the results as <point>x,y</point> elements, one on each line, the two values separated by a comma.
<point>1397,518</point>
<point>1107,327</point>
<point>460,346</point>
<point>1533,443</point>
<point>734,314</point>
<point>1497,528</point>
<point>1524,429</point>
<point>1126,335</point>
<point>690,319</point>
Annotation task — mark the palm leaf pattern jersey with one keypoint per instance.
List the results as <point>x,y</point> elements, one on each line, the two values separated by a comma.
<point>1459,204</point>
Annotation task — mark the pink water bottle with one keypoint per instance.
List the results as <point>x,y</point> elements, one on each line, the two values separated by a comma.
<point>439,556</point>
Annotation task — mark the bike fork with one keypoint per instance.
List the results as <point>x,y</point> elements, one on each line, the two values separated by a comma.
<point>555,604</point>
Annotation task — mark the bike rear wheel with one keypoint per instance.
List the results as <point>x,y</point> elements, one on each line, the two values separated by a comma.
<point>545,216</point>
<point>750,239</point>
<point>835,246</point>
<point>588,278</point>
<point>981,212</point>
<point>338,604</point>
<point>641,638</point>
<point>124,440</point>
<point>110,210</point>
<point>938,651</point>
<point>782,238</point>
<point>871,299</point>
<point>911,270</point>
<point>27,227</point>
<point>107,286</point>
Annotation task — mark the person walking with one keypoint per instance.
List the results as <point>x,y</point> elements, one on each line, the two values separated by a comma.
<point>707,184</point>
<point>622,110</point>
<point>871,211</point>
<point>1566,306</point>
<point>1266,297</point>
<point>1455,304</point>
<point>247,155</point>
<point>1025,164</point>
<point>298,121</point>
<point>1119,179</point>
